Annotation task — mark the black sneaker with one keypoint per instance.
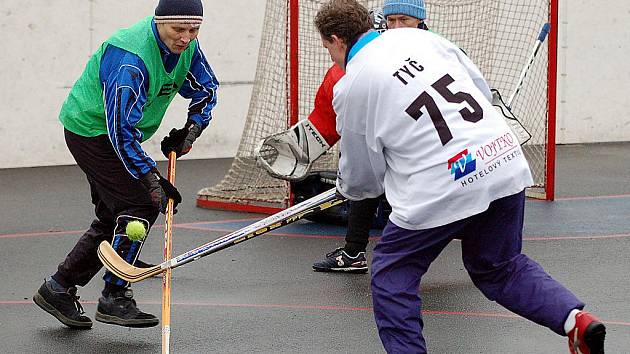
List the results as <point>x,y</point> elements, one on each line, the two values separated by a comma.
<point>120,308</point>
<point>339,261</point>
<point>64,306</point>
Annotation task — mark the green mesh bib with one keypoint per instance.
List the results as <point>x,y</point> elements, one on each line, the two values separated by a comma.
<point>83,111</point>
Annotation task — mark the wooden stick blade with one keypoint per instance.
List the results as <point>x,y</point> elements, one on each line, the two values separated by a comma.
<point>125,271</point>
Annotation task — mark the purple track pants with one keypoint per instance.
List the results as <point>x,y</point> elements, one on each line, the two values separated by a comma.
<point>491,251</point>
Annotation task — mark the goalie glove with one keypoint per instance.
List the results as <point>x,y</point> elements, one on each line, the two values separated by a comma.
<point>289,155</point>
<point>515,125</point>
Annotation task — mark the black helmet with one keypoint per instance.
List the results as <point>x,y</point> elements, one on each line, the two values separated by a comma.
<point>378,19</point>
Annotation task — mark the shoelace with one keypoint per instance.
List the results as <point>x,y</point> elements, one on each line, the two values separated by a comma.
<point>334,252</point>
<point>73,295</point>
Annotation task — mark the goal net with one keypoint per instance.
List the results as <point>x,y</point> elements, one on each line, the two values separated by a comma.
<point>497,35</point>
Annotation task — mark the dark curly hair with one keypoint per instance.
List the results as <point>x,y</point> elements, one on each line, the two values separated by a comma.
<point>347,19</point>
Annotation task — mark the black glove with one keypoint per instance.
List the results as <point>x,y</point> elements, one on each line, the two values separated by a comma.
<point>161,190</point>
<point>181,140</point>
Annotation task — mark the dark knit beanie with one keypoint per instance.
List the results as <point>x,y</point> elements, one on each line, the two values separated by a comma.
<point>179,11</point>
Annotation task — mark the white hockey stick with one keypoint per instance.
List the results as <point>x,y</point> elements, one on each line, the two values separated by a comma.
<point>506,107</point>
<point>539,41</point>
<point>112,261</point>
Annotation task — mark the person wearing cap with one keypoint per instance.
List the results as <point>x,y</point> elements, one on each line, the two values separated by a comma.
<point>405,13</point>
<point>413,121</point>
<point>116,104</point>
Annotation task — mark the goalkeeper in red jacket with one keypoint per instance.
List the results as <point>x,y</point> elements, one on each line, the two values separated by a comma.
<point>323,135</point>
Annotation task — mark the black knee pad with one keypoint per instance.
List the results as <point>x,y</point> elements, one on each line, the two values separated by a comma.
<point>127,247</point>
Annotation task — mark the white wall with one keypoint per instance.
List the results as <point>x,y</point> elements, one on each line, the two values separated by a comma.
<point>47,43</point>
<point>593,71</point>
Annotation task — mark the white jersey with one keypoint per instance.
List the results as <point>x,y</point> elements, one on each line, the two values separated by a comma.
<point>416,122</point>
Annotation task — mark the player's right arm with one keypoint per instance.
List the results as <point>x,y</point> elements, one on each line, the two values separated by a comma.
<point>362,164</point>
<point>365,166</point>
<point>125,82</point>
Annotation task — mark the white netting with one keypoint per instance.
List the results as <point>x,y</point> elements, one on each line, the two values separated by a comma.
<point>497,35</point>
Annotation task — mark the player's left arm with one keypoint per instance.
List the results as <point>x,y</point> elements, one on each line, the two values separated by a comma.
<point>474,73</point>
<point>494,96</point>
<point>200,86</point>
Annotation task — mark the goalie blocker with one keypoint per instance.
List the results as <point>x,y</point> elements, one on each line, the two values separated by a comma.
<point>290,154</point>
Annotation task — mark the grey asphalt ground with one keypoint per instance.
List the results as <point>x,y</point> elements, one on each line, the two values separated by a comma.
<point>262,297</point>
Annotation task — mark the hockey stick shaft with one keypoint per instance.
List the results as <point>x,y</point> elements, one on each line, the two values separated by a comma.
<point>168,246</point>
<point>539,41</point>
<point>124,270</point>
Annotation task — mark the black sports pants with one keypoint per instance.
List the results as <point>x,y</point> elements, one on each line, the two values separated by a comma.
<point>114,192</point>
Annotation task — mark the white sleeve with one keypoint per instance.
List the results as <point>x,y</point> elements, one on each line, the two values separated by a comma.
<point>475,74</point>
<point>361,170</point>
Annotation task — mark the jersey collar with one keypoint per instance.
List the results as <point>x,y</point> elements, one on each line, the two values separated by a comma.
<point>363,40</point>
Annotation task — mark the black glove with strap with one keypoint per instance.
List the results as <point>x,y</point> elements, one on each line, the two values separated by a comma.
<point>181,140</point>
<point>161,190</point>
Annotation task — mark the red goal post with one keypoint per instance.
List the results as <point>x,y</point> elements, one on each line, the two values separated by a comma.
<point>497,35</point>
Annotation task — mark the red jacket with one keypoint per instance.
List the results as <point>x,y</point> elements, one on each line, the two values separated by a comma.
<point>323,115</point>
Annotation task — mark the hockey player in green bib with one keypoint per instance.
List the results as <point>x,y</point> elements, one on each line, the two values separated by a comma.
<point>116,104</point>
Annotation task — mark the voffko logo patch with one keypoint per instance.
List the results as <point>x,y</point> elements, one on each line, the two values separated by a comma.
<point>462,164</point>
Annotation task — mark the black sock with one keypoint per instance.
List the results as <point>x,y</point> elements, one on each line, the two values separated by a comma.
<point>111,289</point>
<point>353,250</point>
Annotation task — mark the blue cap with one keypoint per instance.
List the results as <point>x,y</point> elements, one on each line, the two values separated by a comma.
<point>413,8</point>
